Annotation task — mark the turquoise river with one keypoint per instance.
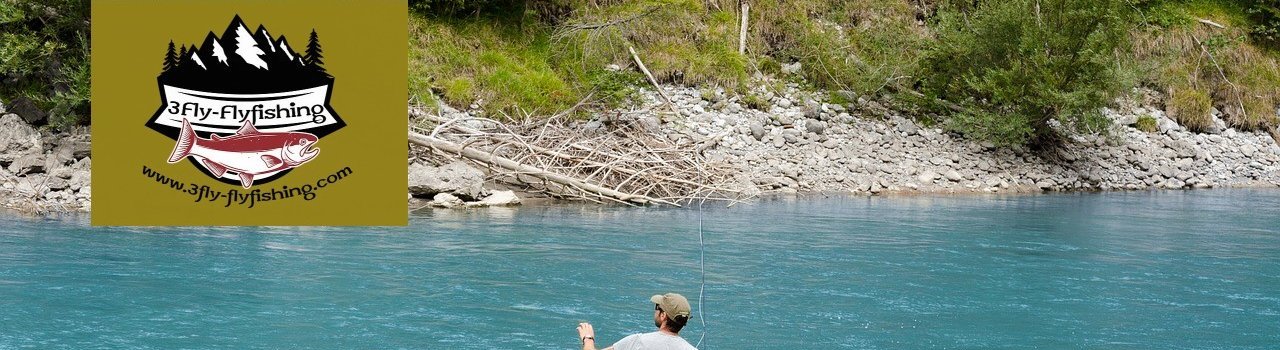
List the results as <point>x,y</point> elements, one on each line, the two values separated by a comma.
<point>1139,270</point>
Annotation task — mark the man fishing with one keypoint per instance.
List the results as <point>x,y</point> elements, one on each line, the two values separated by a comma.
<point>671,312</point>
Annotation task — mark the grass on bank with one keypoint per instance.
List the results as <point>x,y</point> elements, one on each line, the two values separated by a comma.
<point>1017,66</point>
<point>543,59</point>
<point>1200,66</point>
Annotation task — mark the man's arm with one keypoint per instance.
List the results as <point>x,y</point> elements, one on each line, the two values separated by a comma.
<point>587,335</point>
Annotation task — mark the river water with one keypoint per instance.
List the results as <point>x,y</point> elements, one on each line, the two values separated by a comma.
<point>1141,270</point>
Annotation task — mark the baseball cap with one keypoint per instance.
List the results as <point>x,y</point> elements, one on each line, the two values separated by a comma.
<point>673,304</point>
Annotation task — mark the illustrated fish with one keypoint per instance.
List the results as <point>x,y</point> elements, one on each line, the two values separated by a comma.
<point>247,153</point>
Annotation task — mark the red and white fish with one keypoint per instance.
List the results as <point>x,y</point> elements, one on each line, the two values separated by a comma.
<point>248,153</point>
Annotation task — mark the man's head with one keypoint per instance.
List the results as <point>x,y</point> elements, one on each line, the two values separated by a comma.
<point>671,311</point>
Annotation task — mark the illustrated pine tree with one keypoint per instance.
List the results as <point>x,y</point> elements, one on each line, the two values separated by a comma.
<point>314,57</point>
<point>170,57</point>
<point>182,55</point>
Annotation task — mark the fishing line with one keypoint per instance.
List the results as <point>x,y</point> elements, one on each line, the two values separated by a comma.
<point>702,265</point>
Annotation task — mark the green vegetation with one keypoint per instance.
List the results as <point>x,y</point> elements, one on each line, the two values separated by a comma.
<point>1201,66</point>
<point>1265,15</point>
<point>1016,65</point>
<point>44,57</point>
<point>1190,107</point>
<point>558,51</point>
<point>1023,71</point>
<point>1146,123</point>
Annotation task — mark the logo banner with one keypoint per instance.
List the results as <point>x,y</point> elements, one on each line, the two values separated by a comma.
<point>269,113</point>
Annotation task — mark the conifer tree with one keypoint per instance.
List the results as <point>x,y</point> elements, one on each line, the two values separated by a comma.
<point>314,56</point>
<point>170,57</point>
<point>182,54</point>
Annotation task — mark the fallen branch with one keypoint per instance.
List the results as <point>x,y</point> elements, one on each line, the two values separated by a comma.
<point>653,81</point>
<point>614,22</point>
<point>508,164</point>
<point>1210,23</point>
<point>742,32</point>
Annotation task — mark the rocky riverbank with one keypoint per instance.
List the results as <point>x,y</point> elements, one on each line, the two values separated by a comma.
<point>792,141</point>
<point>42,171</point>
<point>801,143</point>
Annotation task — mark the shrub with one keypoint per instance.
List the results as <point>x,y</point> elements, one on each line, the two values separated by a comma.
<point>1017,65</point>
<point>1146,123</point>
<point>1190,107</point>
<point>44,53</point>
<point>1266,17</point>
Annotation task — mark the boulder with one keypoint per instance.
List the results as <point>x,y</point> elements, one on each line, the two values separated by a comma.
<point>30,113</point>
<point>16,137</point>
<point>445,200</point>
<point>27,164</point>
<point>457,178</point>
<point>498,198</point>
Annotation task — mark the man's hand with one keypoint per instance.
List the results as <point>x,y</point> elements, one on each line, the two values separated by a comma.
<point>586,331</point>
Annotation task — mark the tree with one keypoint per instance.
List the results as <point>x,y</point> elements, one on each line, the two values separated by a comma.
<point>44,57</point>
<point>314,56</point>
<point>182,55</point>
<point>1020,67</point>
<point>170,58</point>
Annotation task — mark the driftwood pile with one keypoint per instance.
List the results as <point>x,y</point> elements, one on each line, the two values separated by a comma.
<point>617,162</point>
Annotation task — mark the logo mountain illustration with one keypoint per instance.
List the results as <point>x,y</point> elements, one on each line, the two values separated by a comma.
<point>245,107</point>
<point>246,62</point>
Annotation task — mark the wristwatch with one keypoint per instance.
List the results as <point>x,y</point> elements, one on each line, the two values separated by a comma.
<point>584,339</point>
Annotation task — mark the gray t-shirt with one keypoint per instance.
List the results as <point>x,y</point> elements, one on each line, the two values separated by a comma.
<point>653,341</point>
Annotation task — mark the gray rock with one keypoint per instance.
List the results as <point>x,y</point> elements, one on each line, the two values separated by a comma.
<point>1128,119</point>
<point>953,175</point>
<point>498,198</point>
<point>812,109</point>
<point>757,131</point>
<point>1248,150</point>
<point>791,68</point>
<point>1166,125</point>
<point>783,102</point>
<point>455,178</point>
<point>815,126</point>
<point>445,200</point>
<point>16,137</point>
<point>29,112</point>
<point>783,119</point>
<point>57,184</point>
<point>907,127</point>
<point>927,176</point>
<point>830,143</point>
<point>27,164</point>
<point>650,124</point>
<point>593,126</point>
<point>80,179</point>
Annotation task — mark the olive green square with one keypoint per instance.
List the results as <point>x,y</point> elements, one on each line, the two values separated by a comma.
<point>364,50</point>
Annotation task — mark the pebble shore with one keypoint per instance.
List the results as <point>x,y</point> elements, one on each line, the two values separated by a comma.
<point>803,144</point>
